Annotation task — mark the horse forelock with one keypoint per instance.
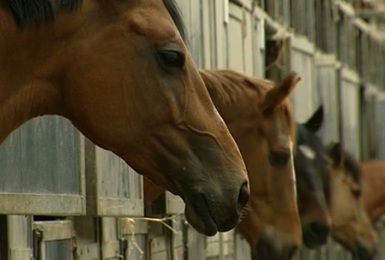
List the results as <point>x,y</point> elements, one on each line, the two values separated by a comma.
<point>26,12</point>
<point>233,87</point>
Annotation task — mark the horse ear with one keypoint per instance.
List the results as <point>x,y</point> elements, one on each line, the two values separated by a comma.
<point>277,95</point>
<point>314,123</point>
<point>336,154</point>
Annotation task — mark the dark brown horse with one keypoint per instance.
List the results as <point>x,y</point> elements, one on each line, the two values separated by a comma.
<point>351,224</point>
<point>312,168</point>
<point>259,117</point>
<point>373,188</point>
<point>120,71</point>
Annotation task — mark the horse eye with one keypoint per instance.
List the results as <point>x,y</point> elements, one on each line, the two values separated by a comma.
<point>279,159</point>
<point>356,193</point>
<point>169,59</point>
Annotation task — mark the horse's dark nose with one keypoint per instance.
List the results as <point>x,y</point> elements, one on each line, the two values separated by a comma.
<point>243,197</point>
<point>322,231</point>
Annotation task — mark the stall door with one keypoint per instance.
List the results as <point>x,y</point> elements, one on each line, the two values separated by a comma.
<point>42,169</point>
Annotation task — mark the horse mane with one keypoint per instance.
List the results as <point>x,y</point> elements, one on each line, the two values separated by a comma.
<point>352,167</point>
<point>38,11</point>
<point>230,87</point>
<point>26,12</point>
<point>350,164</point>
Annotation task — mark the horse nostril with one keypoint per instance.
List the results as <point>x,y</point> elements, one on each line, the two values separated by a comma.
<point>243,197</point>
<point>319,229</point>
<point>292,251</point>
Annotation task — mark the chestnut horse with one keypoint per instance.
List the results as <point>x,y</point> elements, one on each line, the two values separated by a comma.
<point>260,119</point>
<point>312,168</point>
<point>121,73</point>
<point>373,191</point>
<point>351,224</point>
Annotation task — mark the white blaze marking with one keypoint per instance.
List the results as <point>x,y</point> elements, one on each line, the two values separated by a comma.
<point>307,151</point>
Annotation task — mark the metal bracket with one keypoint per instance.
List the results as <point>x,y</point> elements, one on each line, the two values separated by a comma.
<point>37,238</point>
<point>123,246</point>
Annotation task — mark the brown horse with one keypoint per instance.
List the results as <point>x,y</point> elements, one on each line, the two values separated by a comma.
<point>351,224</point>
<point>373,192</point>
<point>260,119</point>
<point>120,71</point>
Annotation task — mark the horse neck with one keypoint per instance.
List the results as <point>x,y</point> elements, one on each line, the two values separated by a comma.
<point>27,87</point>
<point>22,103</point>
<point>373,193</point>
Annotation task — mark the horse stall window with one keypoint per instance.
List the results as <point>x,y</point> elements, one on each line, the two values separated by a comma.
<point>56,239</point>
<point>302,60</point>
<point>42,169</point>
<point>350,107</point>
<point>327,69</point>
